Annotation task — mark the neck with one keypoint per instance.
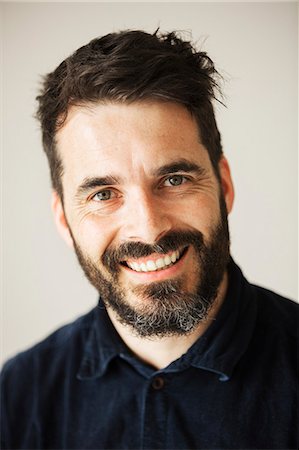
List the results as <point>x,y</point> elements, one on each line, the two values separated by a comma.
<point>160,352</point>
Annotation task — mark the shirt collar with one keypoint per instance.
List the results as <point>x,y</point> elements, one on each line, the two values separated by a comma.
<point>227,338</point>
<point>102,345</point>
<point>217,351</point>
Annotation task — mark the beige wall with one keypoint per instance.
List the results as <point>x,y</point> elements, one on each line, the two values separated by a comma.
<point>255,47</point>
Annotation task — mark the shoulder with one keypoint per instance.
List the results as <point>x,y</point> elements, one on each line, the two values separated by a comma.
<point>275,334</point>
<point>270,313</point>
<point>33,378</point>
<point>65,341</point>
<point>275,311</point>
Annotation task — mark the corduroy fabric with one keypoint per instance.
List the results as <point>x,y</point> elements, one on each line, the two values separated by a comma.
<point>236,387</point>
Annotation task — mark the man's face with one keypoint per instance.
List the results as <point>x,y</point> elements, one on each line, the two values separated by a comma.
<point>145,212</point>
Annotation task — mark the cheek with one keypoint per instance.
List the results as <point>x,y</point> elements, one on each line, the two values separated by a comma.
<point>94,235</point>
<point>201,214</point>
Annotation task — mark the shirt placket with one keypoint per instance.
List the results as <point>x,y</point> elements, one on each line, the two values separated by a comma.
<point>154,420</point>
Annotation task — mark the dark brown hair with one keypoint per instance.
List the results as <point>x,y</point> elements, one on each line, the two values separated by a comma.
<point>130,66</point>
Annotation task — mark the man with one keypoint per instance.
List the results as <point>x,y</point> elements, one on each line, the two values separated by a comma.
<point>181,351</point>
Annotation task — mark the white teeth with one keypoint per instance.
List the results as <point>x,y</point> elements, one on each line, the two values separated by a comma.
<point>135,266</point>
<point>151,266</point>
<point>173,257</point>
<point>160,263</point>
<point>143,267</point>
<point>167,260</point>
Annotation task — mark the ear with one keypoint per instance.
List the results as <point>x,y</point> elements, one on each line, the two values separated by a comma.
<point>60,219</point>
<point>226,183</point>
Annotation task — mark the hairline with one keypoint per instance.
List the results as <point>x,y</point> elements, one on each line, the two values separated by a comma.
<point>91,105</point>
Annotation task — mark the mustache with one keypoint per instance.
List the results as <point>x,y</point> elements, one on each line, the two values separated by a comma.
<point>171,241</point>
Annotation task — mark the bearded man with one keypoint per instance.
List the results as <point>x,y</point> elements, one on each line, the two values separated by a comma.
<point>181,351</point>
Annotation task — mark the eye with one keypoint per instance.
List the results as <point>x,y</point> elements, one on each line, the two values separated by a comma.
<point>175,180</point>
<point>102,196</point>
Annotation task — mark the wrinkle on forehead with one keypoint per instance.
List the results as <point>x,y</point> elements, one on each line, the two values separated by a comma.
<point>151,110</point>
<point>132,139</point>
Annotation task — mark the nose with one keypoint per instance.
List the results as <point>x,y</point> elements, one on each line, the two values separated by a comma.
<point>146,218</point>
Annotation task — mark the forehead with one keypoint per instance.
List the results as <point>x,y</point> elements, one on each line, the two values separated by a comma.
<point>127,137</point>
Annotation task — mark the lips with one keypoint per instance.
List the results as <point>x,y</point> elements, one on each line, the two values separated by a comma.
<point>155,262</point>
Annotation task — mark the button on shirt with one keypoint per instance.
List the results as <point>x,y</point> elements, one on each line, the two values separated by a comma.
<point>235,388</point>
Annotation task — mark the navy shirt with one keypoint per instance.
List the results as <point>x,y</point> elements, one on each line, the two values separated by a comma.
<point>236,387</point>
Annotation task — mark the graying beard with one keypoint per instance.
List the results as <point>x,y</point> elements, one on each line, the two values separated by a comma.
<point>176,313</point>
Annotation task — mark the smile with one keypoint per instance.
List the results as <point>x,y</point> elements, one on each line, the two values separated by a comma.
<point>155,262</point>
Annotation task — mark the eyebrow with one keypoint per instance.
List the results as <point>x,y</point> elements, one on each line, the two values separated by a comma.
<point>90,183</point>
<point>182,165</point>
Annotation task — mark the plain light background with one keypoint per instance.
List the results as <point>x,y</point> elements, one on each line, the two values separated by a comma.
<point>255,47</point>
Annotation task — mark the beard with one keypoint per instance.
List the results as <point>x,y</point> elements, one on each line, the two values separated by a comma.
<point>163,308</point>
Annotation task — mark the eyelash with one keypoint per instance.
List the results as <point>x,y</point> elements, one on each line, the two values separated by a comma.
<point>183,178</point>
<point>101,192</point>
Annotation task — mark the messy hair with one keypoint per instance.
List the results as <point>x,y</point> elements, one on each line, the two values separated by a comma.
<point>125,67</point>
